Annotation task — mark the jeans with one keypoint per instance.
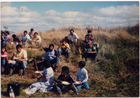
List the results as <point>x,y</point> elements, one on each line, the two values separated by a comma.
<point>3,62</point>
<point>22,64</point>
<point>55,60</point>
<point>65,88</point>
<point>18,65</point>
<point>85,85</point>
<point>60,52</point>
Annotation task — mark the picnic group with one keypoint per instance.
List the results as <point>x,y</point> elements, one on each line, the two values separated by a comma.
<point>65,81</point>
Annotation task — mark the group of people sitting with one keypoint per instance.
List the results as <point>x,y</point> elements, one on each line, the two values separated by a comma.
<point>31,38</point>
<point>65,81</point>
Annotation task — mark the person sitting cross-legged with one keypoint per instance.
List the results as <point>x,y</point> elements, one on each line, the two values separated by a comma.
<point>90,51</point>
<point>46,82</point>
<point>64,49</point>
<point>52,55</point>
<point>82,76</point>
<point>36,39</point>
<point>19,60</point>
<point>65,82</point>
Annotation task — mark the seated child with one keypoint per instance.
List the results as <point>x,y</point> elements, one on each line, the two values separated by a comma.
<point>4,58</point>
<point>65,77</point>
<point>82,76</point>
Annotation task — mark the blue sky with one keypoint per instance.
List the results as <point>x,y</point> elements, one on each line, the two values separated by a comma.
<point>43,16</point>
<point>62,6</point>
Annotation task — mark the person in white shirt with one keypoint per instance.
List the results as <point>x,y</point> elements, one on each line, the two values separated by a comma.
<point>72,37</point>
<point>36,39</point>
<point>25,38</point>
<point>82,76</point>
<point>46,82</point>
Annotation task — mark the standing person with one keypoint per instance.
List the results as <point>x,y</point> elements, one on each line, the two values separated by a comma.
<point>65,77</point>
<point>4,58</point>
<point>19,60</point>
<point>52,56</point>
<point>82,76</point>
<point>46,82</point>
<point>31,34</point>
<point>25,38</point>
<point>16,40</point>
<point>89,36</point>
<point>72,37</point>
<point>8,37</point>
<point>90,51</point>
<point>36,39</point>
<point>64,49</point>
<point>3,39</point>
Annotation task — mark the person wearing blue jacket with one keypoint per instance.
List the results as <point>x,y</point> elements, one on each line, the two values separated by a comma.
<point>52,55</point>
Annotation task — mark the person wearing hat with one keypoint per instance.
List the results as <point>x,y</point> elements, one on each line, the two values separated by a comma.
<point>90,51</point>
<point>65,82</point>
<point>89,36</point>
<point>36,39</point>
<point>31,34</point>
<point>72,37</point>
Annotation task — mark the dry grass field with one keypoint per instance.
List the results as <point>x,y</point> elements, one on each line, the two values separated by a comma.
<point>115,74</point>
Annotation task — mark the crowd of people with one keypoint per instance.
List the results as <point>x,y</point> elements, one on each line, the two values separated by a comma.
<point>65,81</point>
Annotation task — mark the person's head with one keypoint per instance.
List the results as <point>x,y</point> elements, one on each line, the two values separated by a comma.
<point>32,30</point>
<point>35,34</point>
<point>71,31</point>
<point>89,32</point>
<point>2,34</point>
<point>14,36</point>
<point>7,33</point>
<point>64,42</point>
<point>47,64</point>
<point>25,32</point>
<point>3,49</point>
<point>81,64</point>
<point>19,47</point>
<point>90,43</point>
<point>51,47</point>
<point>65,70</point>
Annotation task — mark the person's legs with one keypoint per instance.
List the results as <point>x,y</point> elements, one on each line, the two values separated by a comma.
<point>74,88</point>
<point>24,64</point>
<point>79,86</point>
<point>58,88</point>
<point>68,53</point>
<point>93,57</point>
<point>56,61</point>
<point>59,52</point>
<point>11,68</point>
<point>3,62</point>
<point>85,85</point>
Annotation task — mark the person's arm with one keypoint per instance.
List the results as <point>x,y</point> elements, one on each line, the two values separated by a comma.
<point>94,49</point>
<point>60,45</point>
<point>6,56</point>
<point>85,76</point>
<point>44,77</point>
<point>12,58</point>
<point>45,49</point>
<point>56,54</point>
<point>72,79</point>
<point>77,77</point>
<point>25,57</point>
<point>67,46</point>
<point>76,36</point>
<point>86,39</point>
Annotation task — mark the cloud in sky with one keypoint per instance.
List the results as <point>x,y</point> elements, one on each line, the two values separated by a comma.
<point>18,19</point>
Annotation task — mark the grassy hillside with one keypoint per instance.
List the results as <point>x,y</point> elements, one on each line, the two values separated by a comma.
<point>115,74</point>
